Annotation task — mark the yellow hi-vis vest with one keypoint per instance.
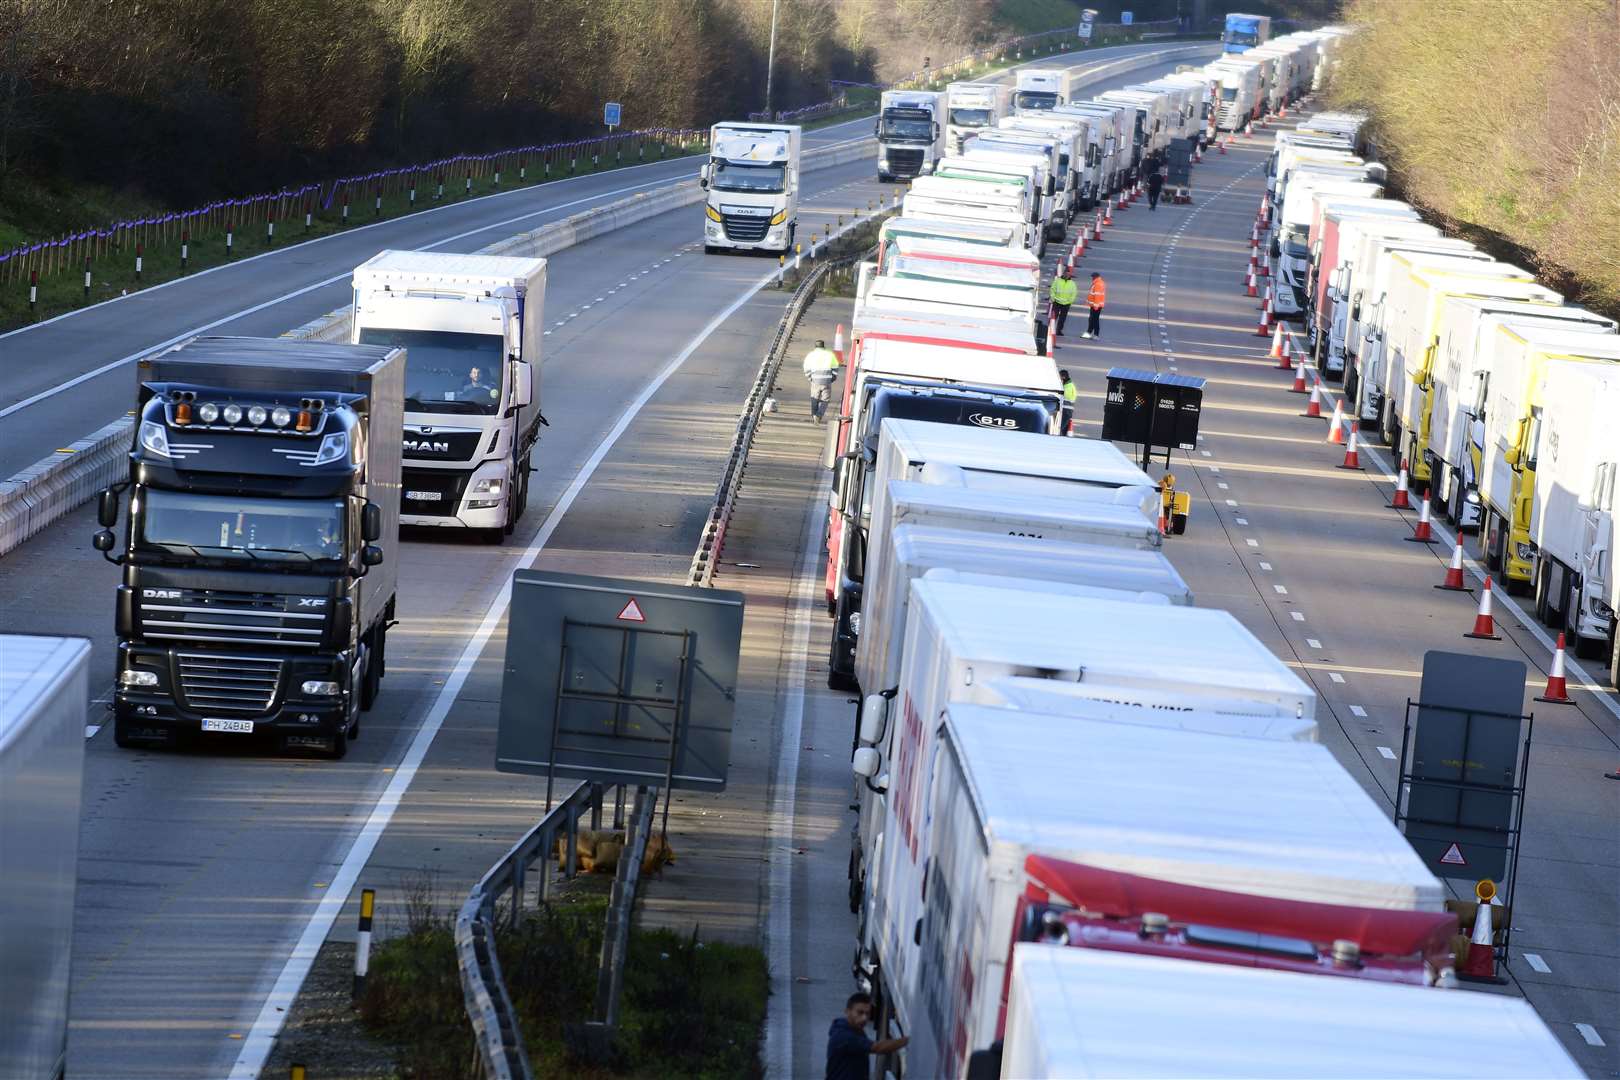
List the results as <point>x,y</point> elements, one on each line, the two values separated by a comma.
<point>1064,290</point>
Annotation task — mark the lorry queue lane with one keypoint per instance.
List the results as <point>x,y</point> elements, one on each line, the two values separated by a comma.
<point>203,866</point>
<point>1359,612</point>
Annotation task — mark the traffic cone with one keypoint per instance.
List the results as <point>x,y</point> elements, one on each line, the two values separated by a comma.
<point>1222,145</point>
<point>1096,229</point>
<point>1164,523</point>
<point>1480,963</point>
<point>1352,459</point>
<point>1264,329</point>
<point>1277,343</point>
<point>1484,624</point>
<point>838,344</point>
<point>1454,573</point>
<point>1051,340</point>
<point>1423,532</point>
<point>1108,212</point>
<point>1125,198</point>
<point>1557,690</point>
<point>1254,237</point>
<point>1313,407</point>
<point>1336,425</point>
<point>1402,499</point>
<point>1253,287</point>
<point>1299,377</point>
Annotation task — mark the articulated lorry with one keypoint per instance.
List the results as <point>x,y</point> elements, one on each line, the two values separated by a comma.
<point>1456,444</point>
<point>1112,141</point>
<point>980,201</point>
<point>1092,1012</point>
<point>972,107</point>
<point>1043,152</point>
<point>1042,89</point>
<point>752,180</point>
<point>910,133</point>
<point>260,555</point>
<point>1244,32</point>
<point>950,261</point>
<point>471,326</point>
<point>1329,251</point>
<point>1081,151</point>
<point>1240,93</point>
<point>44,705</point>
<point>994,239</point>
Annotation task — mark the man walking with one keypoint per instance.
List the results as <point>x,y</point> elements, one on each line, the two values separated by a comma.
<point>821,368</point>
<point>1155,185</point>
<point>1096,298</point>
<point>1064,292</point>
<point>1070,394</point>
<point>848,1048</point>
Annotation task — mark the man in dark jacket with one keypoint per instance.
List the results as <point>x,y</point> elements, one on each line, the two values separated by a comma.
<point>848,1049</point>
<point>1155,185</point>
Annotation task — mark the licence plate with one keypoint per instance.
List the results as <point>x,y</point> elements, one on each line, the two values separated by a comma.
<point>244,727</point>
<point>424,496</point>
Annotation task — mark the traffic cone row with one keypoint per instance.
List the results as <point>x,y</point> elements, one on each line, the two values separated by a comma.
<point>1402,499</point>
<point>1557,687</point>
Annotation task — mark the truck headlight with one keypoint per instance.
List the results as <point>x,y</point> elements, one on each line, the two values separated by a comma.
<point>779,217</point>
<point>714,215</point>
<point>1525,552</point>
<point>855,623</point>
<point>134,678</point>
<point>154,439</point>
<point>334,447</point>
<point>321,688</point>
<point>490,485</point>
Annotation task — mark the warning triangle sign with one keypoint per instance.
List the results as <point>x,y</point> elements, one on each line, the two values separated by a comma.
<point>1452,857</point>
<point>632,613</point>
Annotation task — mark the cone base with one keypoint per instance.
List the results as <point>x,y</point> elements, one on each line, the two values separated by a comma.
<point>1356,468</point>
<point>1398,505</point>
<point>1312,416</point>
<point>1421,540</point>
<point>1455,588</point>
<point>1556,700</point>
<point>1484,637</point>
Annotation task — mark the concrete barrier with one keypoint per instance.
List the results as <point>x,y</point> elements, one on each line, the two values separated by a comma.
<point>56,485</point>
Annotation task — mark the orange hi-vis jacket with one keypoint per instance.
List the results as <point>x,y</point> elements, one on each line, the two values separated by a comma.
<point>1097,295</point>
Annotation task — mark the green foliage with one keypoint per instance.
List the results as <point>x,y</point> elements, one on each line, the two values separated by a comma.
<point>1502,117</point>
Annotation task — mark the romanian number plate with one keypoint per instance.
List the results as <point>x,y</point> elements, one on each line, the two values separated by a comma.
<point>424,496</point>
<point>244,727</point>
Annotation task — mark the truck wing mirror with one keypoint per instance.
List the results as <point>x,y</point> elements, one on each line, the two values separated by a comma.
<point>107,509</point>
<point>371,555</point>
<point>104,542</point>
<point>936,131</point>
<point>522,384</point>
<point>703,176</point>
<point>371,525</point>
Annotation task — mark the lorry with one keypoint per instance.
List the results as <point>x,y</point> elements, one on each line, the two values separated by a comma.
<point>44,702</point>
<point>1016,175</point>
<point>260,554</point>
<point>471,326</point>
<point>1240,93</point>
<point>1572,516</point>
<point>976,201</point>
<point>910,133</point>
<point>950,262</point>
<point>1090,1012</point>
<point>975,791</point>
<point>1150,135</point>
<point>1113,141</point>
<point>1514,422</point>
<point>1243,32</point>
<point>994,238</point>
<point>1045,150</point>
<point>948,298</point>
<point>752,185</point>
<point>971,107</point>
<point>1288,258</point>
<point>1346,282</point>
<point>1328,253</point>
<point>1456,443</point>
<point>1041,89</point>
<point>1084,151</point>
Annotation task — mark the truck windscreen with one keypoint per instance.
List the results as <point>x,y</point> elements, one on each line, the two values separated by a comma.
<point>1228,93</point>
<point>446,371</point>
<point>909,125</point>
<point>230,526</point>
<point>1035,99</point>
<point>748,176</point>
<point>970,118</point>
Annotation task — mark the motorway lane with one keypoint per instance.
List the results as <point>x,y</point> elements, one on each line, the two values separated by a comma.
<point>201,867</point>
<point>1314,563</point>
<point>286,288</point>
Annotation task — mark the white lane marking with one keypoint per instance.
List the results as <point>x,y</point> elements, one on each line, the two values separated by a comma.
<point>90,730</point>
<point>1537,963</point>
<point>243,313</point>
<point>1265,566</point>
<point>1281,590</point>
<point>1357,710</point>
<point>1206,453</point>
<point>784,803</point>
<point>1336,677</point>
<point>1241,521</point>
<point>1387,752</point>
<point>1251,541</point>
<point>1224,486</point>
<point>1313,643</point>
<point>1298,616</point>
<point>1231,502</point>
<point>261,1039</point>
<point>1589,1033</point>
<point>1216,469</point>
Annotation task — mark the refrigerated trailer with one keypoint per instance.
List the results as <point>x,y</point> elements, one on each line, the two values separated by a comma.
<point>44,706</point>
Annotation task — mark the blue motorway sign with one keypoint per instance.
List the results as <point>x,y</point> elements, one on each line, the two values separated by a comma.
<point>610,113</point>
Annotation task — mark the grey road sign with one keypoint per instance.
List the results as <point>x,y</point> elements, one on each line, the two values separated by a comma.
<point>621,682</point>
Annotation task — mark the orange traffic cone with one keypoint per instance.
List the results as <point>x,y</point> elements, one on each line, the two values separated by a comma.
<point>1277,343</point>
<point>1051,339</point>
<point>1108,212</point>
<point>1557,688</point>
<point>1264,328</point>
<point>1402,499</point>
<point>1313,407</point>
<point>1484,624</point>
<point>1423,532</point>
<point>1223,144</point>
<point>1080,244</point>
<point>1352,459</point>
<point>1096,228</point>
<point>1336,425</point>
<point>1454,573</point>
<point>1480,961</point>
<point>1253,289</point>
<point>1299,377</point>
<point>838,344</point>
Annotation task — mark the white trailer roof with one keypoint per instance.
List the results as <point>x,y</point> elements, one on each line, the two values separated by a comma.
<point>1096,1013</point>
<point>1009,335</point>
<point>971,367</point>
<point>1110,511</point>
<point>1087,702</point>
<point>934,269</point>
<point>1048,560</point>
<point>987,234</point>
<point>1017,452</point>
<point>951,249</point>
<point>445,267</point>
<point>1267,817</point>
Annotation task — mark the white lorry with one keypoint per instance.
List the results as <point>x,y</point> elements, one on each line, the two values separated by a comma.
<point>44,702</point>
<point>1041,89</point>
<point>929,259</point>
<point>1112,142</point>
<point>910,133</point>
<point>1457,415</point>
<point>752,181</point>
<point>948,298</point>
<point>1329,252</point>
<point>471,327</point>
<point>1081,159</point>
<point>1044,150</point>
<point>1087,1012</point>
<point>1240,93</point>
<point>971,107</point>
<point>952,197</point>
<point>992,237</point>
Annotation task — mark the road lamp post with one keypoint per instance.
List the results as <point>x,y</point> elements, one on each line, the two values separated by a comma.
<point>770,62</point>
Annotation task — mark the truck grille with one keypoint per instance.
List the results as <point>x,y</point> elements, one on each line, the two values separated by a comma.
<point>432,492</point>
<point>905,162</point>
<point>235,618</point>
<point>745,230</point>
<point>1229,117</point>
<point>215,682</point>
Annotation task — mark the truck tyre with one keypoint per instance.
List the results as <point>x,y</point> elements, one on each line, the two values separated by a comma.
<point>371,681</point>
<point>1543,583</point>
<point>121,734</point>
<point>340,746</point>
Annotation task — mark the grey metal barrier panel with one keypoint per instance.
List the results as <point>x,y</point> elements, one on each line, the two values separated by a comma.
<point>55,485</point>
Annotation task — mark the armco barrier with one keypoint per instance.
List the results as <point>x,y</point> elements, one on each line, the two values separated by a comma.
<point>52,487</point>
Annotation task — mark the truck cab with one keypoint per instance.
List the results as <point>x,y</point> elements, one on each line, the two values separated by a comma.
<point>752,181</point>
<point>972,107</point>
<point>1041,89</point>
<point>910,133</point>
<point>1244,32</point>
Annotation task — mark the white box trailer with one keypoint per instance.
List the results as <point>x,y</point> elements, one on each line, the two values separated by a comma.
<point>1343,291</point>
<point>1572,516</point>
<point>1514,426</point>
<point>1182,101</point>
<point>1080,152</point>
<point>1288,257</point>
<point>1239,92</point>
<point>980,207</point>
<point>948,298</point>
<point>962,264</point>
<point>1327,254</point>
<point>975,791</point>
<point>1086,1012</point>
<point>991,146</point>
<point>1178,710</point>
<point>1457,416</point>
<point>930,526</point>
<point>44,706</point>
<point>1111,140</point>
<point>1055,141</point>
<point>992,237</point>
<point>970,108</point>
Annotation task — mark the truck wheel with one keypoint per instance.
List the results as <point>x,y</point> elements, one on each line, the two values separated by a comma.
<point>371,681</point>
<point>121,734</point>
<point>1589,648</point>
<point>492,536</point>
<point>1543,583</point>
<point>340,746</point>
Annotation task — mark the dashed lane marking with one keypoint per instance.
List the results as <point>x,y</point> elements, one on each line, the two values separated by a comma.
<point>1536,962</point>
<point>1357,710</point>
<point>1336,677</point>
<point>1387,753</point>
<point>1589,1033</point>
